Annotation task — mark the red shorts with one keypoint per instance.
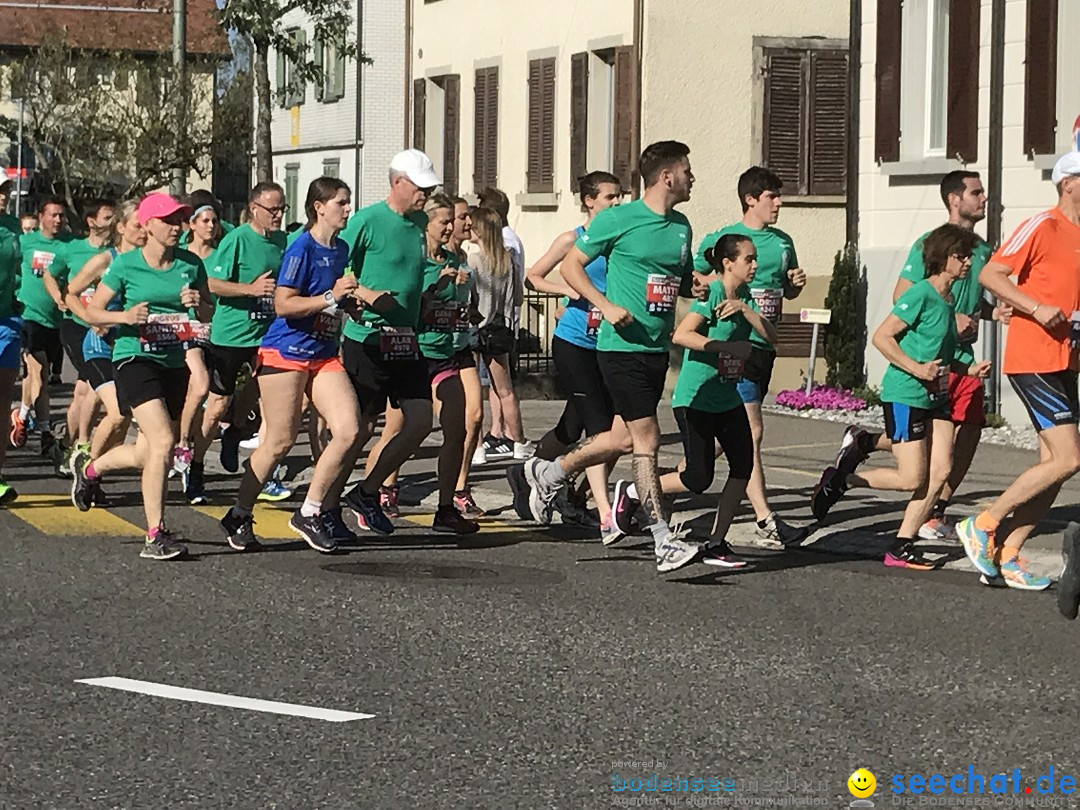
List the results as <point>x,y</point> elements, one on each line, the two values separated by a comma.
<point>270,360</point>
<point>967,404</point>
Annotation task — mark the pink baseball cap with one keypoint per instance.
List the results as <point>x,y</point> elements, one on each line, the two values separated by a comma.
<point>159,206</point>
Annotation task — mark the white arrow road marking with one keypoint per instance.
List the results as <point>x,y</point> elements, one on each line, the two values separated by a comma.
<point>220,699</point>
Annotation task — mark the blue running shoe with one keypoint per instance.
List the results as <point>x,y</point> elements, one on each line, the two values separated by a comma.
<point>368,511</point>
<point>338,528</point>
<point>274,490</point>
<point>978,545</point>
<point>1016,575</point>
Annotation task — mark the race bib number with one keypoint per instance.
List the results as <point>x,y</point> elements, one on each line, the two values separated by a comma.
<point>769,303</point>
<point>327,325</point>
<point>398,343</point>
<point>446,316</point>
<point>731,367</point>
<point>165,331</point>
<point>939,386</point>
<point>41,261</point>
<point>87,295</point>
<point>200,332</point>
<point>660,293</point>
<point>262,309</point>
<point>593,319</point>
<point>1074,330</point>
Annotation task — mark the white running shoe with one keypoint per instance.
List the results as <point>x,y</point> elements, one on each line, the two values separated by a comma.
<point>479,458</point>
<point>674,551</point>
<point>524,450</point>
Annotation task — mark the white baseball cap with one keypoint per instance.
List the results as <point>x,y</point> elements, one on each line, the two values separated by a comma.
<point>417,166</point>
<point>1068,165</point>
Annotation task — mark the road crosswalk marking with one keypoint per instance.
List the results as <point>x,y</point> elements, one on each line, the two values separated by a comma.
<point>271,523</point>
<point>55,515</point>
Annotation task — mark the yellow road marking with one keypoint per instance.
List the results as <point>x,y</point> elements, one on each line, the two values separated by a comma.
<point>55,515</point>
<point>270,523</point>
<point>486,526</point>
<point>797,446</point>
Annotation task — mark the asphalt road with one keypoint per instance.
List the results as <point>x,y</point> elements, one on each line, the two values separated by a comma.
<point>517,669</point>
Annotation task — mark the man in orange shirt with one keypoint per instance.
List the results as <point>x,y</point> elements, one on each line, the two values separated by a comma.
<point>1041,364</point>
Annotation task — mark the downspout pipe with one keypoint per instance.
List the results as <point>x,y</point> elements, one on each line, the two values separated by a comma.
<point>995,208</point>
<point>359,139</point>
<point>639,47</point>
<point>854,82</point>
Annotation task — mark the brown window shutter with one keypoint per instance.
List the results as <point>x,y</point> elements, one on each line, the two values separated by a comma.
<point>579,118</point>
<point>486,128</point>
<point>785,124</point>
<point>962,120</point>
<point>541,155</point>
<point>828,122</point>
<point>419,117</point>
<point>887,80</point>
<point>624,161</point>
<point>1040,78</point>
<point>451,86</point>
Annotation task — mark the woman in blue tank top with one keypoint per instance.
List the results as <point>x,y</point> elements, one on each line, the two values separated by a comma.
<point>588,407</point>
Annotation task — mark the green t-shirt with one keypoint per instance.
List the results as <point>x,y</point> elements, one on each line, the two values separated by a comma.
<point>931,335</point>
<point>967,293</point>
<point>134,282</point>
<point>648,256</point>
<point>242,256</point>
<point>701,385</point>
<point>387,252</point>
<point>446,316</point>
<point>776,255</point>
<point>9,270</point>
<point>38,255</point>
<point>69,262</point>
<point>10,223</point>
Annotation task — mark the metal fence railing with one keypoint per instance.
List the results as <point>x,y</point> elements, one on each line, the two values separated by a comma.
<point>534,333</point>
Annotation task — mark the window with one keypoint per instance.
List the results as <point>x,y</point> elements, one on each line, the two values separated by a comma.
<point>292,180</point>
<point>291,89</point>
<point>436,125</point>
<point>330,63</point>
<point>936,89</point>
<point>540,168</point>
<point>804,124</point>
<point>331,167</point>
<point>603,114</point>
<point>486,129</point>
<point>1041,91</point>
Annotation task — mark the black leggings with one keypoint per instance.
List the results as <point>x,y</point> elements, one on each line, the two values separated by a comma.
<point>700,432</point>
<point>588,404</point>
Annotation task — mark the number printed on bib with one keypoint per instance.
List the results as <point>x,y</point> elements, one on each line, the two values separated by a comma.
<point>446,316</point>
<point>939,386</point>
<point>660,293</point>
<point>769,302</point>
<point>398,343</point>
<point>41,261</point>
<point>327,325</point>
<point>731,367</point>
<point>165,331</point>
<point>262,309</point>
<point>593,319</point>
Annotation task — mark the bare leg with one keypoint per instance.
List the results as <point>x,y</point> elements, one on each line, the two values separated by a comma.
<point>502,386</point>
<point>282,424</point>
<point>474,420</point>
<point>112,428</point>
<point>392,424</point>
<point>755,489</point>
<point>449,396</point>
<point>198,390</point>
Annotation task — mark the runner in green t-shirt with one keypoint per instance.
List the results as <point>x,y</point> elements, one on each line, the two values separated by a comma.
<point>919,340</point>
<point>10,325</point>
<point>965,199</point>
<point>242,277</point>
<point>387,250</point>
<point>647,246</point>
<point>158,287</point>
<point>778,277</point>
<point>41,322</point>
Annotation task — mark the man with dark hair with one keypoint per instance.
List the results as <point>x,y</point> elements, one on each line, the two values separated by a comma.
<point>778,277</point>
<point>647,246</point>
<point>957,433</point>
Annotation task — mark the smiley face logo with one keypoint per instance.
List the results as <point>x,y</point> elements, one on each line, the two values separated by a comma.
<point>862,784</point>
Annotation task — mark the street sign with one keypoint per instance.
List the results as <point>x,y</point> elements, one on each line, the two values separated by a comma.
<point>815,315</point>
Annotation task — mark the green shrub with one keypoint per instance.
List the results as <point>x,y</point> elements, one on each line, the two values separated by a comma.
<point>870,393</point>
<point>995,420</point>
<point>844,336</point>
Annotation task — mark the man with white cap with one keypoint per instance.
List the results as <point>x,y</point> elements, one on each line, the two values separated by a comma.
<point>1041,363</point>
<point>380,349</point>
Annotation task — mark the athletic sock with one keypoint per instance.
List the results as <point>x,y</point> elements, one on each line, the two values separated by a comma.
<point>90,472</point>
<point>984,522</point>
<point>631,492</point>
<point>151,534</point>
<point>867,442</point>
<point>24,411</point>
<point>660,531</point>
<point>238,511</point>
<point>551,473</point>
<point>310,508</point>
<point>763,523</point>
<point>939,509</point>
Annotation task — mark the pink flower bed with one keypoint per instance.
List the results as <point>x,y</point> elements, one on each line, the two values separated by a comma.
<point>822,398</point>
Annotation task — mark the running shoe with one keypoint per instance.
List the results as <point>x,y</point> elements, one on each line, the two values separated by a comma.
<point>164,546</point>
<point>721,554</point>
<point>777,534</point>
<point>830,488</point>
<point>1016,575</point>
<point>1068,587</point>
<point>83,488</point>
<point>519,490</point>
<point>674,551</point>
<point>368,511</point>
<point>500,449</point>
<point>624,507</point>
<point>463,501</point>
<point>524,450</point>
<point>388,500</point>
<point>851,455</point>
<point>906,555</point>
<point>181,459</point>
<point>479,457</point>
<point>250,444</point>
<point>194,488</point>
<point>80,457</point>
<point>230,449</point>
<point>937,530</point>
<point>541,496</point>
<point>313,530</point>
<point>274,491</point>
<point>449,521</point>
<point>339,530</point>
<point>8,494</point>
<point>572,511</point>
<point>978,545</point>
<point>240,531</point>
<point>17,436</point>
<point>610,533</point>
<point>992,582</point>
